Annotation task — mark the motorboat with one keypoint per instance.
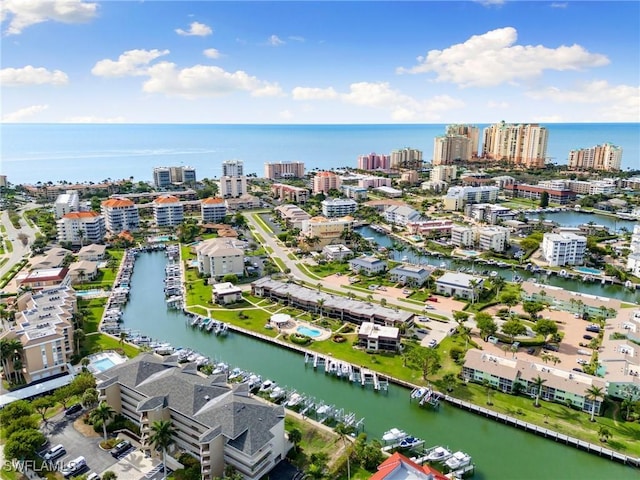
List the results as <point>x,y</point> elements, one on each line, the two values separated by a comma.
<point>220,368</point>
<point>267,386</point>
<point>438,454</point>
<point>410,442</point>
<point>235,373</point>
<point>458,460</point>
<point>419,392</point>
<point>254,381</point>
<point>493,274</point>
<point>393,435</point>
<point>294,400</point>
<point>277,393</point>
<point>323,409</point>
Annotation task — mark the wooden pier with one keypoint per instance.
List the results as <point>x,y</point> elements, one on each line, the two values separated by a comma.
<point>347,371</point>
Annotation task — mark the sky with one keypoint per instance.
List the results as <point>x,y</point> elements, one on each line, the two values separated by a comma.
<point>240,62</point>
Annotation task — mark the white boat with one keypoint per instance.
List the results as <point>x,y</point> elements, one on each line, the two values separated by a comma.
<point>493,274</point>
<point>254,381</point>
<point>458,460</point>
<point>410,442</point>
<point>438,454</point>
<point>405,259</point>
<point>220,368</point>
<point>443,266</point>
<point>277,393</point>
<point>393,435</point>
<point>323,409</point>
<point>294,400</point>
<point>235,373</point>
<point>267,386</point>
<point>419,392</point>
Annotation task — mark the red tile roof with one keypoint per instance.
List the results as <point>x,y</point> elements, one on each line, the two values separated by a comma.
<point>81,215</point>
<point>213,200</point>
<point>166,199</point>
<point>397,459</point>
<point>117,202</point>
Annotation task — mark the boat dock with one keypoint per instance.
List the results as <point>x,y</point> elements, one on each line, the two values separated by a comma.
<point>347,371</point>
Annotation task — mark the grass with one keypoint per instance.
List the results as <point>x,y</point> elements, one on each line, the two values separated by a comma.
<point>95,309</point>
<point>329,268</point>
<point>97,342</point>
<point>281,265</point>
<point>313,440</point>
<point>263,224</point>
<point>254,319</point>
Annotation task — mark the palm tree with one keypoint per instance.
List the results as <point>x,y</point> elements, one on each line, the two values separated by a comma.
<point>498,282</point>
<point>604,433</point>
<point>320,303</point>
<point>79,337</point>
<point>103,413</point>
<point>538,382</point>
<point>473,284</point>
<point>13,349</point>
<point>487,387</point>
<point>343,431</point>
<point>162,433</point>
<point>123,337</point>
<point>449,381</point>
<point>594,394</point>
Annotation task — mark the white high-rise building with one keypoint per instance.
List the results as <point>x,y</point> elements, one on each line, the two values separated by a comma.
<point>561,249</point>
<point>164,177</point>
<point>233,187</point>
<point>168,211</point>
<point>523,145</point>
<point>81,228</point>
<point>66,203</point>
<point>462,236</point>
<point>120,215</point>
<point>606,157</point>
<point>232,168</point>
<point>493,239</point>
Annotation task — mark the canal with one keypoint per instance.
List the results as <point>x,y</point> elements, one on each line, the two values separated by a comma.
<point>499,452</point>
<point>572,218</point>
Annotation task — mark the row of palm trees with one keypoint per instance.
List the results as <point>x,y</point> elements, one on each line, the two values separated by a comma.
<point>162,431</point>
<point>11,354</point>
<point>593,393</point>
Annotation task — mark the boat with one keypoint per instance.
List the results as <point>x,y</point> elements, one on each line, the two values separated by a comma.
<point>438,454</point>
<point>323,409</point>
<point>563,273</point>
<point>294,399</point>
<point>235,373</point>
<point>254,381</point>
<point>223,330</point>
<point>458,460</point>
<point>210,326</point>
<point>220,368</point>
<point>443,266</point>
<point>393,435</point>
<point>267,386</point>
<point>419,392</point>
<point>405,259</point>
<point>277,393</point>
<point>410,442</point>
<point>493,274</point>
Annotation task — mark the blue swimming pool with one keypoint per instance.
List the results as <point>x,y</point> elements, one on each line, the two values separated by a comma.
<point>84,293</point>
<point>589,270</point>
<point>309,332</point>
<point>103,364</point>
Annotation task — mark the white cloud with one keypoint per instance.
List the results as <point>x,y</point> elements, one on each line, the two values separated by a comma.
<point>211,53</point>
<point>129,63</point>
<point>93,119</point>
<point>491,3</point>
<point>204,81</point>
<point>23,113</point>
<point>296,38</point>
<point>493,58</point>
<point>494,104</point>
<point>559,5</point>
<point>196,29</point>
<point>275,41</point>
<point>614,103</point>
<point>30,75</point>
<point>23,14</point>
<point>309,93</point>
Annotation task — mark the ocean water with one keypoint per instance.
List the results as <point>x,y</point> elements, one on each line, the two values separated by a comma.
<point>77,153</point>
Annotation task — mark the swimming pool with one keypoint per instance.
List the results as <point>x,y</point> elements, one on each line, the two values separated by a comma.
<point>589,270</point>
<point>470,253</point>
<point>84,293</point>
<point>103,364</point>
<point>309,332</point>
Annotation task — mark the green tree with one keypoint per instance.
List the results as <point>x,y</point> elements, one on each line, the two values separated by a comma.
<point>24,444</point>
<point>17,409</point>
<point>513,328</point>
<point>498,282</point>
<point>19,424</point>
<point>427,360</point>
<point>604,433</point>
<point>538,383</point>
<point>230,277</point>
<point>161,437</point>
<point>544,199</point>
<point>42,404</point>
<point>510,299</point>
<point>533,308</point>
<point>103,413</point>
<point>485,324</point>
<point>343,431</point>
<point>109,475</point>
<point>594,394</point>
<point>546,327</point>
<point>64,395</point>
<point>449,381</point>
<point>295,437</point>
<point>89,397</point>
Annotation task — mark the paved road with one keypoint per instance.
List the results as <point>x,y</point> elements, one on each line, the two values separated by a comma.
<point>438,329</point>
<point>19,249</point>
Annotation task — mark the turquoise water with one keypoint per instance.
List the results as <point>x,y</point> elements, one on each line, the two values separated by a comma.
<point>309,332</point>
<point>592,271</point>
<point>471,253</point>
<point>84,293</point>
<point>96,152</point>
<point>103,364</point>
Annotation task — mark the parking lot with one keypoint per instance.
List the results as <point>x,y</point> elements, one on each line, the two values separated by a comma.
<point>130,464</point>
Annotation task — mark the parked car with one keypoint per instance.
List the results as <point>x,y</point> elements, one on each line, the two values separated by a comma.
<point>432,343</point>
<point>593,328</point>
<point>531,351</point>
<point>93,476</point>
<point>55,452</point>
<point>73,409</point>
<point>582,361</point>
<point>587,337</point>
<point>576,369</point>
<point>432,299</point>
<point>74,467</point>
<point>551,346</point>
<point>120,448</point>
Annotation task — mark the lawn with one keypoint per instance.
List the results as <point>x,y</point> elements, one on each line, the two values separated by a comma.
<point>313,440</point>
<point>251,319</point>
<point>329,268</point>
<point>263,224</point>
<point>94,309</point>
<point>98,342</point>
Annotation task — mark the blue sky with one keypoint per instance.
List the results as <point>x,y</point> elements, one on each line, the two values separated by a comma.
<point>320,62</point>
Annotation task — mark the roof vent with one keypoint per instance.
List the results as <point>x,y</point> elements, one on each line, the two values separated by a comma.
<point>207,397</point>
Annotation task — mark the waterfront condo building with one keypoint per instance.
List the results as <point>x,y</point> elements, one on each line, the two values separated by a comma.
<point>81,227</point>
<point>213,209</point>
<point>289,193</point>
<point>410,158</point>
<point>120,215</point>
<point>338,207</point>
<point>164,177</point>
<point>325,181</point>
<point>44,326</point>
<point>218,424</point>
<point>606,157</point>
<point>279,170</point>
<point>561,249</point>
<point>401,215</point>
<point>495,239</point>
<point>462,236</point>
<point>470,131</point>
<point>457,197</point>
<point>325,230</point>
<point>373,161</point>
<point>233,187</point>
<point>449,149</point>
<point>522,145</point>
<point>561,195</point>
<point>459,284</point>
<point>168,211</point>
<point>443,173</point>
<point>66,203</point>
<point>379,338</point>
<point>218,257</point>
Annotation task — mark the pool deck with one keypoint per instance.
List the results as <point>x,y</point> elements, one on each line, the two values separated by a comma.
<point>292,327</point>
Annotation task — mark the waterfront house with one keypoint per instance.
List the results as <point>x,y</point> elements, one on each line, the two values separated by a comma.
<point>413,275</point>
<point>336,252</point>
<point>226,293</point>
<point>52,258</point>
<point>83,271</point>
<point>92,253</point>
<point>399,467</point>
<point>560,385</point>
<point>330,305</point>
<point>375,338</point>
<point>218,424</point>
<point>218,257</point>
<point>367,265</point>
<point>40,278</point>
<point>459,284</point>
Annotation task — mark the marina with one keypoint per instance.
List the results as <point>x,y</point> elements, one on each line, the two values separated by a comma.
<point>344,370</point>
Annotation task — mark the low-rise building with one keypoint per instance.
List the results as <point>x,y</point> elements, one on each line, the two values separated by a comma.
<point>53,258</point>
<point>93,252</point>
<point>430,228</point>
<point>463,236</point>
<point>413,275</point>
<point>218,257</point>
<point>495,239</point>
<point>289,193</point>
<point>292,215</point>
<point>79,228</point>
<point>410,176</point>
<point>320,231</point>
<point>243,202</point>
<point>367,265</point>
<point>374,182</point>
<point>83,271</point>
<point>338,207</point>
<point>561,249</point>
<point>459,284</point>
<point>561,196</point>
<point>388,191</point>
<point>226,293</point>
<point>457,197</point>
<point>489,213</point>
<point>213,209</point>
<point>336,252</point>
<point>401,215</point>
<point>41,278</point>
<point>375,338</point>
<point>399,467</point>
<point>573,302</point>
<point>355,192</point>
<point>218,424</point>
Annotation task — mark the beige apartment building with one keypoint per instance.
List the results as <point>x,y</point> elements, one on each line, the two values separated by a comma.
<point>44,326</point>
<point>279,170</point>
<point>326,230</point>
<point>523,145</point>
<point>448,149</point>
<point>218,257</point>
<point>289,193</point>
<point>325,181</point>
<point>606,157</point>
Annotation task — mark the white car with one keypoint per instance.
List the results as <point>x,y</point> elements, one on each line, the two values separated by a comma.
<point>582,361</point>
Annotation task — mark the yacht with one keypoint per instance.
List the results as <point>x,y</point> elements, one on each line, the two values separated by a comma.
<point>267,386</point>
<point>220,368</point>
<point>393,435</point>
<point>277,394</point>
<point>235,373</point>
<point>254,381</point>
<point>323,409</point>
<point>438,454</point>
<point>410,442</point>
<point>419,392</point>
<point>294,400</point>
<point>458,460</point>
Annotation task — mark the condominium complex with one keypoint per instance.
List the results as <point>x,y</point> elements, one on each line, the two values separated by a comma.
<point>495,239</point>
<point>44,326</point>
<point>462,236</point>
<point>355,192</point>
<point>279,170</point>
<point>233,187</point>
<point>213,209</point>
<point>120,215</point>
<point>470,131</point>
<point>338,207</point>
<point>523,145</point>
<point>401,215</point>
<point>66,203</point>
<point>325,230</point>
<point>232,168</point>
<point>218,424</point>
<point>407,158</point>
<point>81,228</point>
<point>292,215</point>
<point>534,192</point>
<point>168,211</point>
<point>443,173</point>
<point>218,257</point>
<point>605,157</point>
<point>633,260</point>
<point>561,249</point>
<point>373,161</point>
<point>289,193</point>
<point>457,197</point>
<point>374,182</point>
<point>164,177</point>
<point>448,149</point>
<point>325,181</point>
